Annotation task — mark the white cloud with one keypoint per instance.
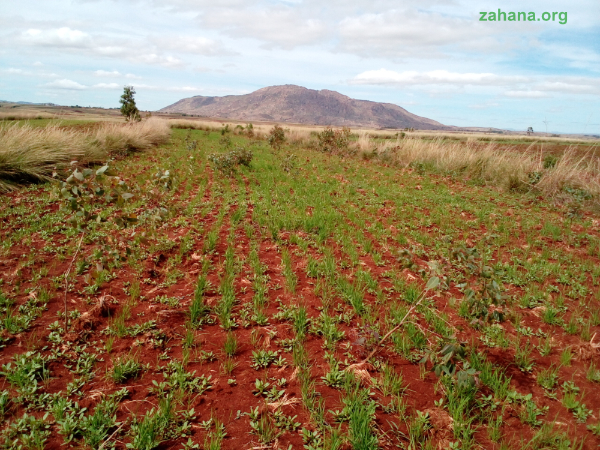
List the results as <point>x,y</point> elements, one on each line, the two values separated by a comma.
<point>390,77</point>
<point>571,85</point>
<point>484,105</point>
<point>107,86</point>
<point>146,86</point>
<point>106,73</point>
<point>193,45</point>
<point>14,71</point>
<point>527,94</point>
<point>401,33</point>
<point>75,86</point>
<point>37,64</point>
<point>185,89</point>
<point>61,37</point>
<point>75,41</point>
<point>65,84</point>
<point>132,76</point>
<point>165,61</point>
<point>517,86</point>
<point>280,26</point>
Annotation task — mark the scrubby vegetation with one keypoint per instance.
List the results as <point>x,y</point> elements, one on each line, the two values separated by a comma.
<point>334,291</point>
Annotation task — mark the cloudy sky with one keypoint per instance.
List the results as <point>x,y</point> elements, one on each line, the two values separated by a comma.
<point>433,57</point>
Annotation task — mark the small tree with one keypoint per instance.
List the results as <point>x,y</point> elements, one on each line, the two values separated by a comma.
<point>128,108</point>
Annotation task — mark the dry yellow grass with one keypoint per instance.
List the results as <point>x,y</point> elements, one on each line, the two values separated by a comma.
<point>33,154</point>
<point>115,137</point>
<point>26,115</point>
<point>497,166</point>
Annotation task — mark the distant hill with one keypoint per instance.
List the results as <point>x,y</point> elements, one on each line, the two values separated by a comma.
<point>29,103</point>
<point>296,104</point>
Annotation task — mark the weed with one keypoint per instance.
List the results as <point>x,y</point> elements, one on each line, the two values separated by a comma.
<point>548,378</point>
<point>300,321</point>
<point>545,346</point>
<point>566,356</point>
<point>360,410</point>
<point>24,373</point>
<point>228,366</point>
<point>27,432</point>
<point>326,326</point>
<point>214,438</point>
<point>523,358</point>
<point>593,373</point>
<point>263,426</point>
<point>418,427</point>
<point>189,339</point>
<point>198,309</point>
<point>108,345</point>
<point>230,346</point>
<point>124,368</point>
<point>261,359</point>
<point>495,428</point>
<point>391,382</point>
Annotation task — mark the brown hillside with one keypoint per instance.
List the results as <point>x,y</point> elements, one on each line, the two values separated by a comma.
<point>296,104</point>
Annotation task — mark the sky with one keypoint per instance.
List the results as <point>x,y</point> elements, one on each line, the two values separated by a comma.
<point>435,58</point>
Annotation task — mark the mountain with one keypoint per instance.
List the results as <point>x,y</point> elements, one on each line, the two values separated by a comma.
<point>296,104</point>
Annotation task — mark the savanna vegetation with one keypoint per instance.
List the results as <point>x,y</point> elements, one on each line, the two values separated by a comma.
<point>256,287</point>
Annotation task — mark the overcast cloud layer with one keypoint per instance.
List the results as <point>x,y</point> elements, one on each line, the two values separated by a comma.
<point>432,57</point>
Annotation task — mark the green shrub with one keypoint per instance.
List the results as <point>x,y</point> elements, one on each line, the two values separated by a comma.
<point>227,163</point>
<point>276,137</point>
<point>334,141</point>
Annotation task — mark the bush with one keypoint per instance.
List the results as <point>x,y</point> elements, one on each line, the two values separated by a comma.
<point>276,137</point>
<point>334,141</point>
<point>227,163</point>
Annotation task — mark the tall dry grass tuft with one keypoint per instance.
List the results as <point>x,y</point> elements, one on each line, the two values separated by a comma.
<point>119,138</point>
<point>29,154</point>
<point>580,172</point>
<point>511,169</point>
<point>189,124</point>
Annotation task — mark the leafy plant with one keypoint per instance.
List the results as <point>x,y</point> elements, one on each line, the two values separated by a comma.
<point>261,359</point>
<point>85,190</point>
<point>483,302</point>
<point>24,373</point>
<point>27,432</point>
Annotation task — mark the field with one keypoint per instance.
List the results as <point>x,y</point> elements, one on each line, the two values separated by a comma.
<point>226,290</point>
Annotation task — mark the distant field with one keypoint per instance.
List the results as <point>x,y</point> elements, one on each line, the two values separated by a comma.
<point>226,289</point>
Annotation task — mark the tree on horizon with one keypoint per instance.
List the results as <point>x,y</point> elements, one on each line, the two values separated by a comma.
<point>129,109</point>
